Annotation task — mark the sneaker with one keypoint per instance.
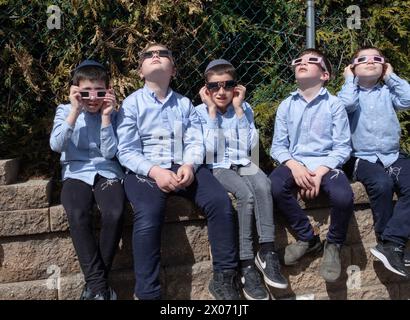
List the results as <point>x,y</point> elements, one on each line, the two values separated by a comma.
<point>252,284</point>
<point>406,258</point>
<point>391,255</point>
<point>224,286</point>
<point>269,265</point>
<point>86,293</point>
<point>331,266</point>
<point>108,294</point>
<point>295,251</point>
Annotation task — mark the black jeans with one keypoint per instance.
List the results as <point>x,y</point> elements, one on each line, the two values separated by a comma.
<point>95,256</point>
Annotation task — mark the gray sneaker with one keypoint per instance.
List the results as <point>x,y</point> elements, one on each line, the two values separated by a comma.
<point>331,267</point>
<point>295,251</point>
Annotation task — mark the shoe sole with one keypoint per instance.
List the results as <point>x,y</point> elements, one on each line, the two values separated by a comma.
<point>266,279</point>
<point>248,297</point>
<point>385,262</point>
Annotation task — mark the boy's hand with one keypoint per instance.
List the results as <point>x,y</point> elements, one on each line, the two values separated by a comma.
<point>317,180</point>
<point>388,71</point>
<point>303,176</point>
<point>109,103</point>
<point>238,98</point>
<point>207,99</point>
<point>348,71</point>
<point>75,99</point>
<point>165,179</point>
<point>186,174</point>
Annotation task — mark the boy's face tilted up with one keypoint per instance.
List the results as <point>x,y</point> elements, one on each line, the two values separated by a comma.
<point>221,88</point>
<point>369,64</point>
<point>310,67</point>
<point>92,94</point>
<point>157,64</point>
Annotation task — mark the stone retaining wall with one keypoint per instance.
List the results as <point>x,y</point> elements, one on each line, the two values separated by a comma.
<point>38,261</point>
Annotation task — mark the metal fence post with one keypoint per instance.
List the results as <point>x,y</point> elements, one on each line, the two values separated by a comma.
<point>310,24</point>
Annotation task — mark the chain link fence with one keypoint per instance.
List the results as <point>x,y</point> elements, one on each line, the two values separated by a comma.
<point>39,46</point>
<point>256,36</point>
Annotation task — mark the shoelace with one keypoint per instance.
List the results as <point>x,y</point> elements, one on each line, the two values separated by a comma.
<point>228,284</point>
<point>253,276</point>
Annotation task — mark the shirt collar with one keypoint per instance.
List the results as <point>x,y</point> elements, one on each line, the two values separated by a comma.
<point>153,96</point>
<point>375,87</point>
<point>322,92</point>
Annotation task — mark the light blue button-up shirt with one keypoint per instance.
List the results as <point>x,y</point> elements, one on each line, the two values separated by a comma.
<point>373,120</point>
<point>228,139</point>
<point>151,132</point>
<point>86,149</point>
<point>315,133</point>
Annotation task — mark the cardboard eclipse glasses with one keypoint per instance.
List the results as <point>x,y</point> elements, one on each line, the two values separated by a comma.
<point>97,94</point>
<point>315,60</point>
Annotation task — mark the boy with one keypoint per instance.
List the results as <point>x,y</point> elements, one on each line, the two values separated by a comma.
<point>161,146</point>
<point>377,161</point>
<point>83,133</point>
<point>225,115</point>
<point>311,142</point>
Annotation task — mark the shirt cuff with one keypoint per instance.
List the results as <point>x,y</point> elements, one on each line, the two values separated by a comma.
<point>284,157</point>
<point>106,132</point>
<point>212,123</point>
<point>144,167</point>
<point>331,163</point>
<point>392,79</point>
<point>67,127</point>
<point>243,122</point>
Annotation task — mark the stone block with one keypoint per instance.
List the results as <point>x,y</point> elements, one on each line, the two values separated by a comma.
<point>23,222</point>
<point>8,171</point>
<point>33,194</point>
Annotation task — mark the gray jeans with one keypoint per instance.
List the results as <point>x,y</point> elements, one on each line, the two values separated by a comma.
<point>253,195</point>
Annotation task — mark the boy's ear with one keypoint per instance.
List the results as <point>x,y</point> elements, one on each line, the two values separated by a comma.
<point>325,76</point>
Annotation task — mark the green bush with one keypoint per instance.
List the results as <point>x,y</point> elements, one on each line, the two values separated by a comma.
<point>260,37</point>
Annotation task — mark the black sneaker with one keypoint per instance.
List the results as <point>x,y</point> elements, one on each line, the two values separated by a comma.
<point>86,294</point>
<point>391,255</point>
<point>224,285</point>
<point>108,294</point>
<point>252,284</point>
<point>406,258</point>
<point>269,265</point>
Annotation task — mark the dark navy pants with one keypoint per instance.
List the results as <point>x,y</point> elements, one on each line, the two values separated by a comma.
<point>148,203</point>
<point>391,223</point>
<point>334,184</point>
